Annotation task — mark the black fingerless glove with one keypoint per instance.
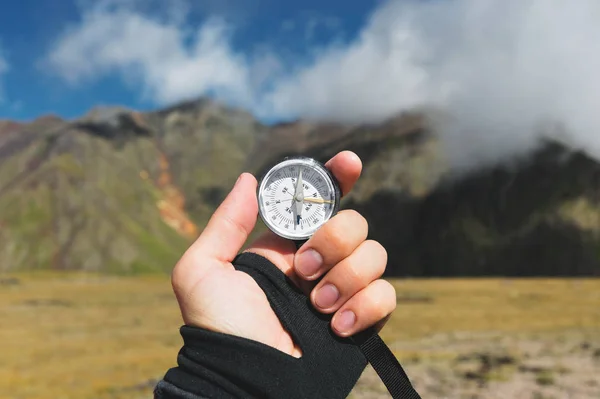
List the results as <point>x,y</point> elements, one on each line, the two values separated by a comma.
<point>214,365</point>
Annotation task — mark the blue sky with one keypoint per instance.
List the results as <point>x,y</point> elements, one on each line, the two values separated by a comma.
<point>497,71</point>
<point>30,29</point>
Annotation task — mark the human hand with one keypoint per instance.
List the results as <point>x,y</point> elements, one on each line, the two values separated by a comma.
<point>214,296</point>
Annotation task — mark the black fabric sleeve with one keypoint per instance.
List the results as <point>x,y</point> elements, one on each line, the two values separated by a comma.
<point>215,365</point>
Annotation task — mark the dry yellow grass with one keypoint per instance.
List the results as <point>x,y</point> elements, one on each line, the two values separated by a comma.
<point>480,305</point>
<point>82,336</point>
<point>85,337</point>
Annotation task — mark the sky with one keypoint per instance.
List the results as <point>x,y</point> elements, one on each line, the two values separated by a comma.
<point>47,66</point>
<point>501,75</point>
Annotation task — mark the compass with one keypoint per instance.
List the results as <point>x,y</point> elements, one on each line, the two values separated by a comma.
<point>297,196</point>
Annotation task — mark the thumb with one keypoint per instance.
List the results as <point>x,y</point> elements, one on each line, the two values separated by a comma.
<point>230,225</point>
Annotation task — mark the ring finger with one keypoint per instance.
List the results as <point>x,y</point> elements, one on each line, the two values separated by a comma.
<point>365,265</point>
<point>365,309</point>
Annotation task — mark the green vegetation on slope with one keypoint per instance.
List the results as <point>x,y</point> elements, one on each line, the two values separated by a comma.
<point>126,192</point>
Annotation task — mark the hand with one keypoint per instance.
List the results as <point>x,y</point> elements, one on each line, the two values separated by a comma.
<point>215,296</point>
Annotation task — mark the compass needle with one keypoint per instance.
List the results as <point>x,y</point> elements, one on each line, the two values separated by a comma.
<point>299,196</point>
<point>317,200</point>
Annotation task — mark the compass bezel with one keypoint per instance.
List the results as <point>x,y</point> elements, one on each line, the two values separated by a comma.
<point>306,162</point>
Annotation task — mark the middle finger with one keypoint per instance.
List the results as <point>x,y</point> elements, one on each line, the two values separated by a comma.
<point>332,243</point>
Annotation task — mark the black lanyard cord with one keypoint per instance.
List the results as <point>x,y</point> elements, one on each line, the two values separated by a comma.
<point>385,364</point>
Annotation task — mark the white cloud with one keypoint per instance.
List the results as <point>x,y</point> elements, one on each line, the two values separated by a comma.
<point>151,53</point>
<point>498,67</point>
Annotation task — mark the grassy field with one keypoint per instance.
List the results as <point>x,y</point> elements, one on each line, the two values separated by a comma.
<point>84,336</point>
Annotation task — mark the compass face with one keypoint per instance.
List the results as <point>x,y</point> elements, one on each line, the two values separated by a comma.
<point>296,197</point>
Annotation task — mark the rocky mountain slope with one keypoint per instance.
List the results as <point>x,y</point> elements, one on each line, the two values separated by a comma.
<point>122,191</point>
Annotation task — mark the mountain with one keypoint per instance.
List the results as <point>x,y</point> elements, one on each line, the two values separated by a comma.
<point>125,192</point>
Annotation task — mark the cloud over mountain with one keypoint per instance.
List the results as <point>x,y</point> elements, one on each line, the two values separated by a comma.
<point>498,68</point>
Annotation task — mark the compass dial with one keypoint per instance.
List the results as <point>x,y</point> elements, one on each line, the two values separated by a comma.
<point>296,197</point>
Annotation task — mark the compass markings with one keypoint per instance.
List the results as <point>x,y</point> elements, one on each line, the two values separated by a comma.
<point>279,195</point>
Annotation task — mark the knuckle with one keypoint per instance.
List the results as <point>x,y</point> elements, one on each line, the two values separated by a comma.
<point>341,235</point>
<point>234,225</point>
<point>377,256</point>
<point>376,249</point>
<point>177,276</point>
<point>332,235</point>
<point>383,299</point>
<point>349,213</point>
<point>184,272</point>
<point>355,220</point>
<point>355,272</point>
<point>389,295</point>
<point>346,226</point>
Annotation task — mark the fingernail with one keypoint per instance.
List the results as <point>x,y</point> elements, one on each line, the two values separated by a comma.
<point>309,262</point>
<point>344,321</point>
<point>327,296</point>
<point>238,180</point>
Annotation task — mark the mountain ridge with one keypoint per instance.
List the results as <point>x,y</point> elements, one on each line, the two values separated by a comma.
<point>123,191</point>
